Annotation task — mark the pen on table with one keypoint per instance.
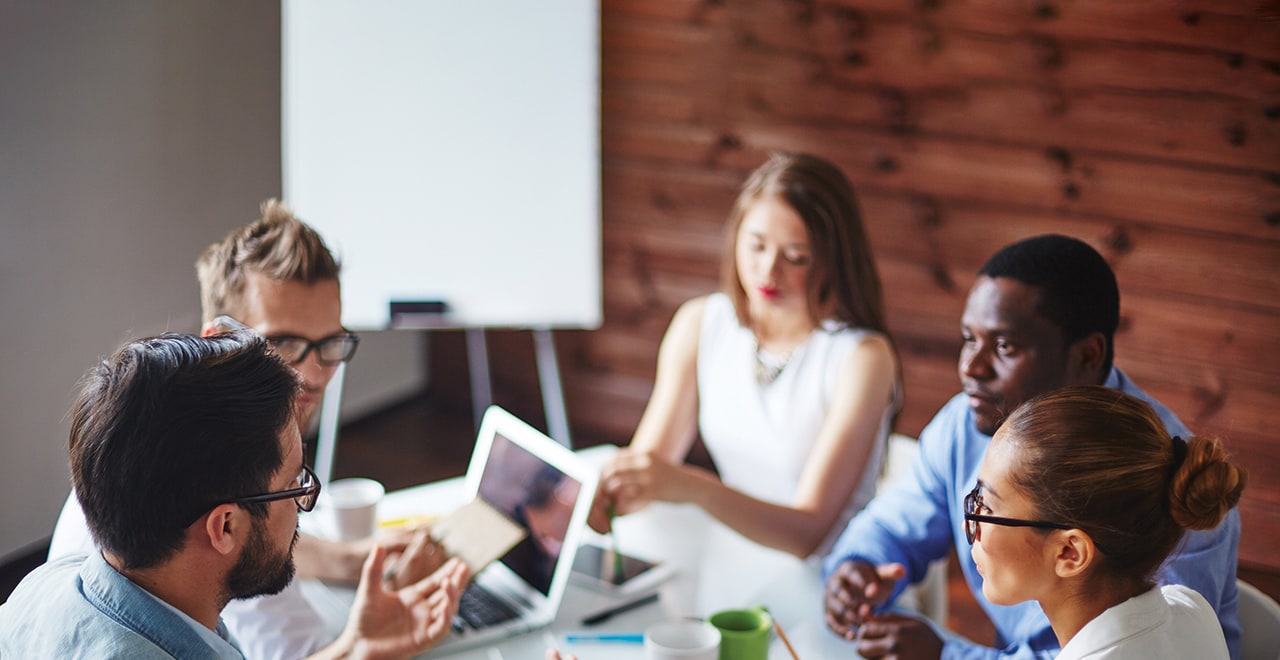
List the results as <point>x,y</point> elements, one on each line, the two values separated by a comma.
<point>777,627</point>
<point>605,615</point>
<point>408,520</point>
<point>608,638</point>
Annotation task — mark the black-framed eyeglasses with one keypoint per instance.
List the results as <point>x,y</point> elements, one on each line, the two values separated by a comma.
<point>330,351</point>
<point>305,495</point>
<point>973,504</point>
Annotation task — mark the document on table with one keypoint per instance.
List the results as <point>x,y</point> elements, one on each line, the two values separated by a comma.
<point>478,534</point>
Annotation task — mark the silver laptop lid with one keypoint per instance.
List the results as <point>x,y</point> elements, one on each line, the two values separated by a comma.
<point>542,486</point>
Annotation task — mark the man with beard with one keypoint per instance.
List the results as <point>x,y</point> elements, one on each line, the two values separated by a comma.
<point>277,276</point>
<point>189,469</point>
<point>1042,315</point>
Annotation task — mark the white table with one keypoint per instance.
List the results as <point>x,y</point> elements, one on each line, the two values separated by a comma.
<point>717,569</point>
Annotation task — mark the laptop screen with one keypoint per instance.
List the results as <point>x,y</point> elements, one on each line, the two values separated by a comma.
<point>536,495</point>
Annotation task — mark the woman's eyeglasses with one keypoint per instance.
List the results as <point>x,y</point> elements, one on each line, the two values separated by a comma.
<point>973,504</point>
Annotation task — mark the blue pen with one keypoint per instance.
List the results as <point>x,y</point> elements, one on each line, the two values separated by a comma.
<point>611,638</point>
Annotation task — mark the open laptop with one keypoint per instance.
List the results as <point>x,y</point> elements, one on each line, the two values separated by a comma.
<point>546,489</point>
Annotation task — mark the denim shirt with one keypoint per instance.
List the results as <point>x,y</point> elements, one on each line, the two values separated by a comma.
<point>917,521</point>
<point>80,607</point>
<point>283,626</point>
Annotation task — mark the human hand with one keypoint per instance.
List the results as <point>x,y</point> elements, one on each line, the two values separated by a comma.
<point>420,557</point>
<point>854,590</point>
<point>600,517</point>
<point>900,637</point>
<point>633,479</point>
<point>555,654</point>
<point>334,561</point>
<point>403,622</point>
<point>343,560</point>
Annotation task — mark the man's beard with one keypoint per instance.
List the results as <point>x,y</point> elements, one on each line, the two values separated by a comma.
<point>261,570</point>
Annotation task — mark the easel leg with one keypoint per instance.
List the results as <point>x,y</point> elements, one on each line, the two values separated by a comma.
<point>552,390</point>
<point>478,366</point>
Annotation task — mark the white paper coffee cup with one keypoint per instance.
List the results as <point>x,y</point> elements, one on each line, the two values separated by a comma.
<point>353,504</point>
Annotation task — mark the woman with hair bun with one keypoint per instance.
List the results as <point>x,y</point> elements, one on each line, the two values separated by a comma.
<point>1080,498</point>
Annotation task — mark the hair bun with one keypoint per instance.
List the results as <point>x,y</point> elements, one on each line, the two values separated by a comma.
<point>1205,486</point>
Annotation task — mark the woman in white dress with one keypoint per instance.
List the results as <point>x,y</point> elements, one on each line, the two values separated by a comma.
<point>1081,496</point>
<point>788,374</point>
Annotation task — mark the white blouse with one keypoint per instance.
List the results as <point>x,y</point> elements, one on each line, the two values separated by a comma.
<point>761,435</point>
<point>1172,621</point>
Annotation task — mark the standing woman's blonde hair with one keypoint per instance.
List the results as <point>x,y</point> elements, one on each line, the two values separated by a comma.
<point>843,282</point>
<point>1100,460</point>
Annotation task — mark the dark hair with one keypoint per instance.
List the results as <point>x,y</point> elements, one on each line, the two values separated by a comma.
<point>277,245</point>
<point>1101,460</point>
<point>1078,290</point>
<point>169,425</point>
<point>843,282</point>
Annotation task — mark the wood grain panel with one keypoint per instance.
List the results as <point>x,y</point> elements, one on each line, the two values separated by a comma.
<point>622,350</point>
<point>1147,257</point>
<point>1239,202</point>
<point>1239,341</point>
<point>643,101</point>
<point>1219,401</point>
<point>677,11</point>
<point>1204,129</point>
<point>924,301</point>
<point>930,381</point>
<point>669,193</point>
<point>607,406</point>
<point>1150,130</point>
<point>1230,27</point>
<point>903,50</point>
<point>1257,538</point>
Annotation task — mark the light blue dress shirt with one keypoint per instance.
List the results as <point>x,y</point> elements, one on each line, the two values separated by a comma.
<point>919,520</point>
<point>80,607</point>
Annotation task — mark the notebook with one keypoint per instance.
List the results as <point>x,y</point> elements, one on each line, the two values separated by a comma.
<point>547,490</point>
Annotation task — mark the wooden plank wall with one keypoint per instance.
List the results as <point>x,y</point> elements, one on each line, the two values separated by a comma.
<point>1150,130</point>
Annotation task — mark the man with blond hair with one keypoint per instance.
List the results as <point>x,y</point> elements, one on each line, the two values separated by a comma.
<point>277,276</point>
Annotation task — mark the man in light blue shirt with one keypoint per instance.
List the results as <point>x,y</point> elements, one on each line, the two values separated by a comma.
<point>1042,315</point>
<point>189,469</point>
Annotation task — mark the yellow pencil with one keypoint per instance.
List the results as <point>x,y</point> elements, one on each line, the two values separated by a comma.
<point>408,520</point>
<point>777,627</point>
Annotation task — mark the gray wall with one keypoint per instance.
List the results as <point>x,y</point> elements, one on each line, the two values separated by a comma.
<point>132,134</point>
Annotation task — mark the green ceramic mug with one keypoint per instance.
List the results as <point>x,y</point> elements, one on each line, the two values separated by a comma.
<point>744,634</point>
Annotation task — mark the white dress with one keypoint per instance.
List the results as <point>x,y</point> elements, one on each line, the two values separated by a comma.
<point>1172,621</point>
<point>760,436</point>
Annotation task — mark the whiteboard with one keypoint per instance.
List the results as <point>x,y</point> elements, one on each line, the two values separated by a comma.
<point>449,151</point>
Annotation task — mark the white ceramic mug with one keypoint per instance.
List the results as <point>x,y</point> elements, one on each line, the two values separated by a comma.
<point>681,639</point>
<point>354,506</point>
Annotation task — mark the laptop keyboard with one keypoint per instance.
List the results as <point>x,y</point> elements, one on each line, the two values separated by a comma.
<point>478,608</point>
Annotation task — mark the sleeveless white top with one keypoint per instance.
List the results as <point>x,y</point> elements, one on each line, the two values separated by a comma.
<point>760,436</point>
